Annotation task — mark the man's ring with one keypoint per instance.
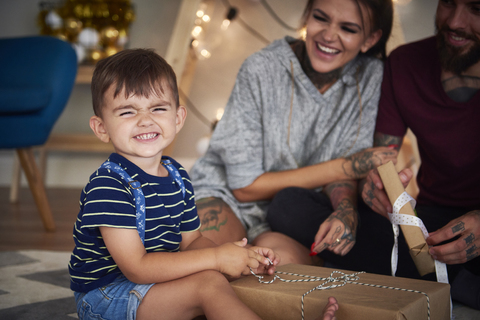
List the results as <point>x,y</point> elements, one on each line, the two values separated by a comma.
<point>338,240</point>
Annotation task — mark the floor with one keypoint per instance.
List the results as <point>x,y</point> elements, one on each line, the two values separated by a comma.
<point>21,230</point>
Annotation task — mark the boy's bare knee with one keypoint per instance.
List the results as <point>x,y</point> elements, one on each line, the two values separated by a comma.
<point>209,282</point>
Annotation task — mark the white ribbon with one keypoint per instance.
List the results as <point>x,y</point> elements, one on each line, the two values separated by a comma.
<point>397,219</point>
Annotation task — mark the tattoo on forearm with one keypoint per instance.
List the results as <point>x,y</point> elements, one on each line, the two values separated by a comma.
<point>340,190</point>
<point>360,164</point>
<point>383,140</point>
<point>332,187</point>
<point>209,212</point>
<point>470,239</point>
<point>458,227</point>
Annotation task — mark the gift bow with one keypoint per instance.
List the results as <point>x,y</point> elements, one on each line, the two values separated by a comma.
<point>397,219</point>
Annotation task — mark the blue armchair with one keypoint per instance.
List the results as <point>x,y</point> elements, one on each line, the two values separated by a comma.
<point>36,79</point>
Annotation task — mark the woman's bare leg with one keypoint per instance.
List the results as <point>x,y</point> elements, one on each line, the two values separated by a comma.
<point>219,222</point>
<point>206,292</point>
<point>289,250</point>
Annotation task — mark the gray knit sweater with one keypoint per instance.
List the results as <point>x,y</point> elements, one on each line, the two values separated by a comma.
<point>252,137</point>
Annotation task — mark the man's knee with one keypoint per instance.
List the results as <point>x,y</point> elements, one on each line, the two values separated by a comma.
<point>218,221</point>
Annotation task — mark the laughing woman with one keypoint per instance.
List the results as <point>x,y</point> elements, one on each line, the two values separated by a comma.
<point>299,125</point>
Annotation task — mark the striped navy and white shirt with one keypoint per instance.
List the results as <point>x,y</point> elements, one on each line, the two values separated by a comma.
<point>107,201</point>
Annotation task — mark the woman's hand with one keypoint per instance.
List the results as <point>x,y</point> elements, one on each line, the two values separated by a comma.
<point>337,233</point>
<point>359,164</point>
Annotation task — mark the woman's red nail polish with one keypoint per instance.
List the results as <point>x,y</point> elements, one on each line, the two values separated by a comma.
<point>312,253</point>
<point>393,146</point>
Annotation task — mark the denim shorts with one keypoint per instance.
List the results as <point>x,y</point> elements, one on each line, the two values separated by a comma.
<point>117,300</point>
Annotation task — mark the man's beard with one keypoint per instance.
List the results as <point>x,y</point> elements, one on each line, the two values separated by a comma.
<point>451,57</point>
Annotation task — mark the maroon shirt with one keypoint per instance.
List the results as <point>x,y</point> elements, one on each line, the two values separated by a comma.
<point>448,132</point>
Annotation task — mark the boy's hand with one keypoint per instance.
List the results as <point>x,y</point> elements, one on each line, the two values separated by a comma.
<point>268,268</point>
<point>234,260</point>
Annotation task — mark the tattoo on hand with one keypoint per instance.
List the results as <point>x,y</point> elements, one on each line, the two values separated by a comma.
<point>458,227</point>
<point>472,256</point>
<point>471,250</point>
<point>470,239</point>
<point>348,216</point>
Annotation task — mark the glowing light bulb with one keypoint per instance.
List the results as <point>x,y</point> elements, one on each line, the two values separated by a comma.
<point>196,31</point>
<point>205,53</point>
<point>225,24</point>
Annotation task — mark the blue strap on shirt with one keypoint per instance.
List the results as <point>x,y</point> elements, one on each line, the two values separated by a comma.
<point>175,174</point>
<point>138,195</point>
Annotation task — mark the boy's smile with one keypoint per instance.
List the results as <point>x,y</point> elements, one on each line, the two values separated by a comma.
<point>139,127</point>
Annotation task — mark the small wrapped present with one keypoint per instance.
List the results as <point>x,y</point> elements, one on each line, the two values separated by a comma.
<point>360,295</point>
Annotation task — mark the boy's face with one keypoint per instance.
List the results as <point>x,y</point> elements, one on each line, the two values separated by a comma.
<point>140,128</point>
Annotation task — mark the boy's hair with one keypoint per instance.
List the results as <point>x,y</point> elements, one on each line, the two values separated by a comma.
<point>139,71</point>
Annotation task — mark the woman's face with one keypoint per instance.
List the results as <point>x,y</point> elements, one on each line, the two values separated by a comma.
<point>335,34</point>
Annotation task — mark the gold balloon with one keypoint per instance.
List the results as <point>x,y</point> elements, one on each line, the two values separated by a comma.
<point>94,55</point>
<point>72,26</point>
<point>109,36</point>
<point>110,51</point>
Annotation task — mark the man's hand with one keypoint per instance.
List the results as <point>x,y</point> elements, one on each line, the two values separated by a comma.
<point>373,193</point>
<point>463,249</point>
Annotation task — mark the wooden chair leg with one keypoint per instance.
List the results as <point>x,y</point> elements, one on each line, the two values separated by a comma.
<point>16,176</point>
<point>35,181</point>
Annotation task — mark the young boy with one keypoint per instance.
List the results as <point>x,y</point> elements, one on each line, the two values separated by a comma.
<point>158,266</point>
<point>176,273</point>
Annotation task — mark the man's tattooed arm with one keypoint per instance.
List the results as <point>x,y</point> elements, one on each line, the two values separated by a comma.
<point>379,140</point>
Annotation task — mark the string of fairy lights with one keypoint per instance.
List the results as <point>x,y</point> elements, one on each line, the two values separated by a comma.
<point>232,14</point>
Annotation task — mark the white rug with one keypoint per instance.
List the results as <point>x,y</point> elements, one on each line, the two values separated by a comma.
<point>35,285</point>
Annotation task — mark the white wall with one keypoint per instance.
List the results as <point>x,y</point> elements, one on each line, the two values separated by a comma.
<point>211,81</point>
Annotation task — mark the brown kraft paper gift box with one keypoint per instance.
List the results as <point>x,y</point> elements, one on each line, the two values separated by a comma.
<point>282,300</point>
<point>413,235</point>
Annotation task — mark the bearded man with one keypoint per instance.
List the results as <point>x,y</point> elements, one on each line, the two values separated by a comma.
<point>432,87</point>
